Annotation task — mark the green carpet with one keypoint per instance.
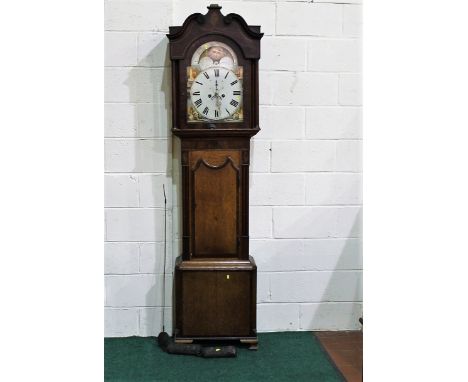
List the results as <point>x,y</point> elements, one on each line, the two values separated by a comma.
<point>289,356</point>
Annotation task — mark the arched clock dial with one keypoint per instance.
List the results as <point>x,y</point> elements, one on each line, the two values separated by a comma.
<point>216,93</point>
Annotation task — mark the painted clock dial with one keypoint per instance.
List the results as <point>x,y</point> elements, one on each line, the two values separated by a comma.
<point>214,85</point>
<point>216,93</point>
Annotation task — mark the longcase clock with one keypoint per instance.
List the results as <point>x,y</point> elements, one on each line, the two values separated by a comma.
<point>215,114</point>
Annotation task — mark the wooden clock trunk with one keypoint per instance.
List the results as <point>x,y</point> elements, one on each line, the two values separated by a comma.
<point>215,278</point>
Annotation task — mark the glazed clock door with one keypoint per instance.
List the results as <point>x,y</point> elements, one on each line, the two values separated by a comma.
<point>214,85</point>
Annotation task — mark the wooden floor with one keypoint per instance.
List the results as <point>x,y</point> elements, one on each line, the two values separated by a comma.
<point>345,350</point>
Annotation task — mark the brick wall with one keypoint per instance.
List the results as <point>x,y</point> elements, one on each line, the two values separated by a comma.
<point>306,181</point>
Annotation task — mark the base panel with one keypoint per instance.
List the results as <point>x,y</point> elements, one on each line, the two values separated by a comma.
<point>215,303</point>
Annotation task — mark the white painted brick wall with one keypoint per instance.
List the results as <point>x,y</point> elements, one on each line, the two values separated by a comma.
<point>133,290</point>
<point>305,222</point>
<point>121,190</point>
<point>277,189</point>
<point>352,20</point>
<point>120,49</point>
<point>306,164</point>
<point>301,255</point>
<point>305,19</point>
<point>120,322</point>
<point>137,155</point>
<point>261,222</point>
<point>299,88</point>
<point>315,286</point>
<point>137,15</point>
<point>333,123</point>
<point>303,156</point>
<point>283,54</point>
<point>121,258</point>
<point>260,154</point>
<point>254,12</point>
<point>333,316</point>
<point>327,55</point>
<point>350,89</point>
<point>271,317</point>
<point>276,117</point>
<point>333,188</point>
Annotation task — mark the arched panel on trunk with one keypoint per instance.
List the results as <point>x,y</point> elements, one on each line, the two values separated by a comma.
<point>215,208</point>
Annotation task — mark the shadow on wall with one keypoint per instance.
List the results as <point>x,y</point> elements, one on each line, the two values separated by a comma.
<point>314,283</point>
<point>149,85</point>
<point>341,299</point>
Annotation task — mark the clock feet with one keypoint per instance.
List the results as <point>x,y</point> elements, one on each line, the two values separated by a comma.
<point>253,344</point>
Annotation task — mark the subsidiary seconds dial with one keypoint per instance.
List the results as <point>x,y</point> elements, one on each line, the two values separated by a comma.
<point>216,93</point>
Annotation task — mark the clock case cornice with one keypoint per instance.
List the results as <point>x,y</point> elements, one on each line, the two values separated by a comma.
<point>214,22</point>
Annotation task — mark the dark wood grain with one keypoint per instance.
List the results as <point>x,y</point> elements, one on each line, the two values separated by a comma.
<point>233,302</point>
<point>216,299</point>
<point>216,303</point>
<point>215,203</point>
<point>215,207</point>
<point>198,293</point>
<point>215,278</point>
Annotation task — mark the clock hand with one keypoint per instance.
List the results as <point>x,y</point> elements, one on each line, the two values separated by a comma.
<point>218,97</point>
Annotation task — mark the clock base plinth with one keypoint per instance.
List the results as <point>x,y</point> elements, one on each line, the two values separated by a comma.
<point>251,342</point>
<point>215,300</point>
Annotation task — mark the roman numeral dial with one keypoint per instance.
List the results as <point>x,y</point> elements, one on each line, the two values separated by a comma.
<point>216,94</point>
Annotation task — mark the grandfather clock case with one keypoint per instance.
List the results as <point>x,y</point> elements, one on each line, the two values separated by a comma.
<point>215,114</point>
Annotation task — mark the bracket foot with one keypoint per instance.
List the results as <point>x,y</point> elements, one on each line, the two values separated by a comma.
<point>253,344</point>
